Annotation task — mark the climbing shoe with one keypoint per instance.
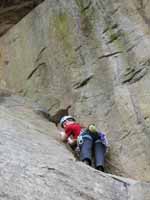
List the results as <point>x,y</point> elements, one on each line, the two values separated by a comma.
<point>87,162</point>
<point>100,168</point>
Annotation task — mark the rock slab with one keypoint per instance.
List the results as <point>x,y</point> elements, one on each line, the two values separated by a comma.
<point>34,165</point>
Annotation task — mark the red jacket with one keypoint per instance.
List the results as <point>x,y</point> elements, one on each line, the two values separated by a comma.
<point>73,129</point>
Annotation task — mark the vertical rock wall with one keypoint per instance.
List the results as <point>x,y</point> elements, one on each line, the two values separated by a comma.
<point>95,56</point>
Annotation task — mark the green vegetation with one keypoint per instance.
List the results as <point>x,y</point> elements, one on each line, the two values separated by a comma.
<point>62,29</point>
<point>64,34</point>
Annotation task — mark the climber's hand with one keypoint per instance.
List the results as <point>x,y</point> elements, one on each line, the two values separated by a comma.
<point>72,141</point>
<point>63,136</point>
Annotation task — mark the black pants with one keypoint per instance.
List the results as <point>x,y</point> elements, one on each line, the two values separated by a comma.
<point>93,148</point>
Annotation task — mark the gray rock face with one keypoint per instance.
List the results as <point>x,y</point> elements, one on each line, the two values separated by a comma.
<point>95,56</point>
<point>34,165</point>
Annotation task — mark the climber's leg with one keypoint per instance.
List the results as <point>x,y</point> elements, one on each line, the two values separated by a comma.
<point>86,151</point>
<point>99,150</point>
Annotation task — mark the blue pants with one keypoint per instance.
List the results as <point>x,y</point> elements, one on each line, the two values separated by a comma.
<point>93,148</point>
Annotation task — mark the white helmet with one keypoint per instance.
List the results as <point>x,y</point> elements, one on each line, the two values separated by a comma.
<point>65,118</point>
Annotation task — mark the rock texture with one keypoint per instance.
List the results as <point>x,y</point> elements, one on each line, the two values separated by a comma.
<point>34,165</point>
<point>94,55</point>
<point>11,11</point>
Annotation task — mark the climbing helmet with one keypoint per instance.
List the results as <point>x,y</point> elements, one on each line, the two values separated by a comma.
<point>65,118</point>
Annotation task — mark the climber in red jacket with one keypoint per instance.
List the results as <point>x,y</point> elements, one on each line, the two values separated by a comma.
<point>72,130</point>
<point>88,140</point>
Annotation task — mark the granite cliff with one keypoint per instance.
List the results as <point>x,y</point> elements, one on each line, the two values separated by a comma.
<point>95,56</point>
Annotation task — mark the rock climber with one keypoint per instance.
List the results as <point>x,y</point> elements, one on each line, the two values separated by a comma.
<point>91,142</point>
<point>71,129</point>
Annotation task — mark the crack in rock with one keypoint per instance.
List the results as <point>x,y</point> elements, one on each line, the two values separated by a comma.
<point>109,55</point>
<point>56,117</point>
<point>114,26</point>
<point>83,83</point>
<point>40,54</point>
<point>133,75</point>
<point>35,69</point>
<point>87,7</point>
<point>78,48</point>
<point>114,37</point>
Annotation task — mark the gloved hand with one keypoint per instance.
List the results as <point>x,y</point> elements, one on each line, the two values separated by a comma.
<point>103,139</point>
<point>71,141</point>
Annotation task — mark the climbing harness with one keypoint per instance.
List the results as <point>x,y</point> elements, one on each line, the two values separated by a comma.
<point>80,140</point>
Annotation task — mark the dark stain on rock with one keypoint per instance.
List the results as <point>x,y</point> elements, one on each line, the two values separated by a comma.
<point>3,94</point>
<point>51,168</point>
<point>6,62</point>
